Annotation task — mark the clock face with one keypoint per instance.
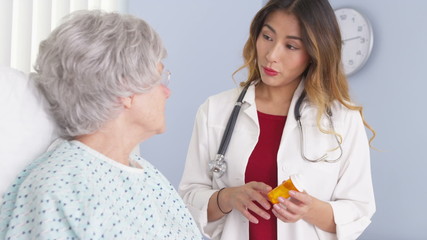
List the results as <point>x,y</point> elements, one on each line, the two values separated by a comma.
<point>357,39</point>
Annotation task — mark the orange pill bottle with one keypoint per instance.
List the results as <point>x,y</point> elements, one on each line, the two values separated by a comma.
<point>293,183</point>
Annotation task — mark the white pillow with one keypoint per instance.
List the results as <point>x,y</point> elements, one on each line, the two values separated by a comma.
<point>26,130</point>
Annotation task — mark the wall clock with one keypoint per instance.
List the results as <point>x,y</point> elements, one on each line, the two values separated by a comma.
<point>357,39</point>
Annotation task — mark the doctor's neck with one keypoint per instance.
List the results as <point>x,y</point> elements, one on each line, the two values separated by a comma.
<point>280,93</point>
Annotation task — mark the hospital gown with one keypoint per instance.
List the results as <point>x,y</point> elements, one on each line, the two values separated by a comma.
<point>74,192</point>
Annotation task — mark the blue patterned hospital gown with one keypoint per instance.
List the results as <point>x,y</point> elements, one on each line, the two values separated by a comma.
<point>74,192</point>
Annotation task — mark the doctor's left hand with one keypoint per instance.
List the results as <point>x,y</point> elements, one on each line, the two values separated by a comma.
<point>243,199</point>
<point>294,208</point>
<point>301,205</point>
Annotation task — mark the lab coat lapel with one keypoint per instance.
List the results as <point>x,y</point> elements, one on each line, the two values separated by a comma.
<point>290,120</point>
<point>249,107</point>
<point>289,145</point>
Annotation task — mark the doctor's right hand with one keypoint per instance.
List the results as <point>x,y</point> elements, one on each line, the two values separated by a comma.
<point>243,199</point>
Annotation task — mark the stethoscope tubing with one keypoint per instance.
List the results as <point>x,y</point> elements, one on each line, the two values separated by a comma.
<point>219,162</point>
<point>228,132</point>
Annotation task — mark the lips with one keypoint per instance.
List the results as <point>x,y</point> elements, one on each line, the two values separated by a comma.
<point>269,71</point>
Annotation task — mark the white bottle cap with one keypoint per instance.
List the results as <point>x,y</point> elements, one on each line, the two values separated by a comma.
<point>297,181</point>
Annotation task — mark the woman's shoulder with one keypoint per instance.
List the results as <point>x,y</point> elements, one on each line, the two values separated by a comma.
<point>152,175</point>
<point>223,97</point>
<point>51,171</point>
<point>342,114</point>
<point>345,117</point>
<point>340,110</point>
<point>220,102</point>
<point>48,177</point>
<point>65,160</point>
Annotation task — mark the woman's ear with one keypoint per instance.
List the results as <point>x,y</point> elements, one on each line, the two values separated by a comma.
<point>127,101</point>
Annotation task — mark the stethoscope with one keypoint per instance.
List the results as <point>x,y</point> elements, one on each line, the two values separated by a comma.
<point>218,166</point>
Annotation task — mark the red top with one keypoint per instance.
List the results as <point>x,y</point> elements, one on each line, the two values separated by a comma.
<point>262,167</point>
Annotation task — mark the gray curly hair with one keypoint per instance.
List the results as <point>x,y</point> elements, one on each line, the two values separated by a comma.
<point>89,62</point>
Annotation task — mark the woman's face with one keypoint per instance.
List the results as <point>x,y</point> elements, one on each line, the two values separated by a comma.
<point>150,107</point>
<point>282,56</point>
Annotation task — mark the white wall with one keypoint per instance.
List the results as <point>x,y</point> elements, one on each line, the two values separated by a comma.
<point>205,38</point>
<point>392,88</point>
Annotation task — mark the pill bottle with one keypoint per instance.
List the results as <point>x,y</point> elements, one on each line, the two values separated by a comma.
<point>293,183</point>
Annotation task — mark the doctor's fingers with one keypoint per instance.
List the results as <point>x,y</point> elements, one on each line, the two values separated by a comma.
<point>283,214</point>
<point>301,197</point>
<point>259,186</point>
<point>260,193</point>
<point>244,209</point>
<point>251,192</point>
<point>295,209</point>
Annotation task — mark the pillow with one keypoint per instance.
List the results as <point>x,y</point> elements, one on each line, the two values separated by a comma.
<point>26,130</point>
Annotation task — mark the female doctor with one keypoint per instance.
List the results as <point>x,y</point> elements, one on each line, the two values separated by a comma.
<point>296,117</point>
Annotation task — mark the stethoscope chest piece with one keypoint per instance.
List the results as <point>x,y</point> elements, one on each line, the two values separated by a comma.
<point>218,166</point>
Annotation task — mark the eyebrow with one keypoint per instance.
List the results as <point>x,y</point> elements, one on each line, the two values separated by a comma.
<point>274,31</point>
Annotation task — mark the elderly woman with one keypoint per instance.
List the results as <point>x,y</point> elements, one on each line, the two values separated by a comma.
<point>101,74</point>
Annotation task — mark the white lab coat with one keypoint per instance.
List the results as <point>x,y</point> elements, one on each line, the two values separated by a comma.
<point>346,185</point>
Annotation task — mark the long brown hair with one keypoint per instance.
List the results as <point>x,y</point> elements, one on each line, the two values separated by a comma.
<point>325,80</point>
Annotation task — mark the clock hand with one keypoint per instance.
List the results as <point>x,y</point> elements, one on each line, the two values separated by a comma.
<point>349,39</point>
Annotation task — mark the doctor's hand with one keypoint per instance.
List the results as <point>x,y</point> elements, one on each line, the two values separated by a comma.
<point>301,205</point>
<point>294,208</point>
<point>242,199</point>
